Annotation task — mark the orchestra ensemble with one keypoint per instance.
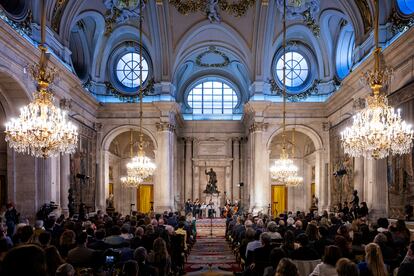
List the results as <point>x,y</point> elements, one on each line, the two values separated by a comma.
<point>208,210</point>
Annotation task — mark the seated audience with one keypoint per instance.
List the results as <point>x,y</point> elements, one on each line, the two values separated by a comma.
<point>286,268</point>
<point>305,251</point>
<point>373,264</point>
<point>327,267</point>
<point>346,267</point>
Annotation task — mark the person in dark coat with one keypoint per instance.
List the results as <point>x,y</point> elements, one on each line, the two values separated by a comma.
<point>304,252</point>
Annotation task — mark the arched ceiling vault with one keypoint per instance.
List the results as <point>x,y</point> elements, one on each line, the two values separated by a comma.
<point>174,41</point>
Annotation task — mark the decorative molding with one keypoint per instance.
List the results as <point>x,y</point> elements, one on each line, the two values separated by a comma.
<point>215,51</point>
<point>399,24</point>
<point>125,97</point>
<point>366,16</point>
<point>97,126</point>
<point>211,7</point>
<point>257,126</point>
<point>23,27</point>
<point>65,104</point>
<point>313,90</point>
<point>165,127</point>
<point>118,12</point>
<point>310,22</point>
<point>358,104</point>
<point>326,126</point>
<point>58,11</point>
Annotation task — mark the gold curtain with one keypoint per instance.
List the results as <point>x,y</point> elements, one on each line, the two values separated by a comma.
<point>144,198</point>
<point>312,189</point>
<point>279,199</point>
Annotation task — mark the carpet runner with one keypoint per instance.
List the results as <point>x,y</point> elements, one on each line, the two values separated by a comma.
<point>211,254</point>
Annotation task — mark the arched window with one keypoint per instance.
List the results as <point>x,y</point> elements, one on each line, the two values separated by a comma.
<point>344,50</point>
<point>212,97</point>
<point>406,6</point>
<point>128,71</point>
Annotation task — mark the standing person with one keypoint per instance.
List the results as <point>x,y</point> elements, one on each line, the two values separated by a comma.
<point>188,206</point>
<point>355,203</point>
<point>12,218</point>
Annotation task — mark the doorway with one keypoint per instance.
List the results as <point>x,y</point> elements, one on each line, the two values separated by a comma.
<point>145,198</point>
<point>279,199</point>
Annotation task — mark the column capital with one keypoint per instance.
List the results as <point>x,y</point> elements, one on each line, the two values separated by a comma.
<point>165,127</point>
<point>188,139</point>
<point>236,139</point>
<point>258,126</point>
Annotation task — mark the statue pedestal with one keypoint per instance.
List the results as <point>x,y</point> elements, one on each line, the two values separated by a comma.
<point>215,198</point>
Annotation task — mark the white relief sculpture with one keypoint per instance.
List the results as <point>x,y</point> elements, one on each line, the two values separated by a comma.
<point>296,8</point>
<point>126,10</point>
<point>212,11</point>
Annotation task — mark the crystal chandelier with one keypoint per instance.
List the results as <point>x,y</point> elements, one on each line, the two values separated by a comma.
<point>42,129</point>
<point>377,130</point>
<point>131,180</point>
<point>294,181</point>
<point>283,167</point>
<point>141,166</point>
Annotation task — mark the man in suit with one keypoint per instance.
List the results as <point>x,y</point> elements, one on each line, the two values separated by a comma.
<point>261,255</point>
<point>81,256</point>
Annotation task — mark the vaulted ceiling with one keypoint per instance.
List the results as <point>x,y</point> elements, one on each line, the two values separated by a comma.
<point>183,45</point>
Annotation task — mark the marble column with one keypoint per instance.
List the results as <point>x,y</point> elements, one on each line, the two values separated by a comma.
<point>188,178</point>
<point>227,181</point>
<point>196,182</point>
<point>307,187</point>
<point>64,183</point>
<point>359,177</point>
<point>378,190</point>
<point>236,169</point>
<point>163,190</point>
<point>260,171</point>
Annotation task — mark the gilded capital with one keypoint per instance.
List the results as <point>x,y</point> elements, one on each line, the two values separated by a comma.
<point>165,127</point>
<point>256,126</point>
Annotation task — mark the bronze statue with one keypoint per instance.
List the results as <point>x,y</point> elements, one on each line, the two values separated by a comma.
<point>211,187</point>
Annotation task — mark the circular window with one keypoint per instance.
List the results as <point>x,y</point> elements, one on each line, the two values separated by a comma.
<point>406,6</point>
<point>297,69</point>
<point>128,69</point>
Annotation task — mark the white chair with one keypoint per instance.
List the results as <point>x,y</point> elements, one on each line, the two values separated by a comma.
<point>306,267</point>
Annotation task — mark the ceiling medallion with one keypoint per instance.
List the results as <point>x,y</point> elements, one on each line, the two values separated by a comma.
<point>211,7</point>
<point>119,11</point>
<point>212,51</point>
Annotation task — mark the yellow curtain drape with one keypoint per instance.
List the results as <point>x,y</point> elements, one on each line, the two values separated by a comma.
<point>144,198</point>
<point>279,199</point>
<point>312,189</point>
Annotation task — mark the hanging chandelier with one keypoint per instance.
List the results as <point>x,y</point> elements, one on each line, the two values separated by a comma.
<point>141,166</point>
<point>377,130</point>
<point>283,167</point>
<point>131,180</point>
<point>294,181</point>
<point>42,129</point>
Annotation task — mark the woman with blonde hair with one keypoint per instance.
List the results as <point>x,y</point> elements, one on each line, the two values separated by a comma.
<point>374,263</point>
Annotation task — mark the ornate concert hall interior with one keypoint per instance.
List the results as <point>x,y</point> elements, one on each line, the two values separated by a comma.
<point>268,106</point>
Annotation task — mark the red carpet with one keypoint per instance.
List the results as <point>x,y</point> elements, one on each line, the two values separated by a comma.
<point>211,255</point>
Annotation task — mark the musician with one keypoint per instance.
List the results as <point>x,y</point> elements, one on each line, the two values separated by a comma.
<point>188,206</point>
<point>197,208</point>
